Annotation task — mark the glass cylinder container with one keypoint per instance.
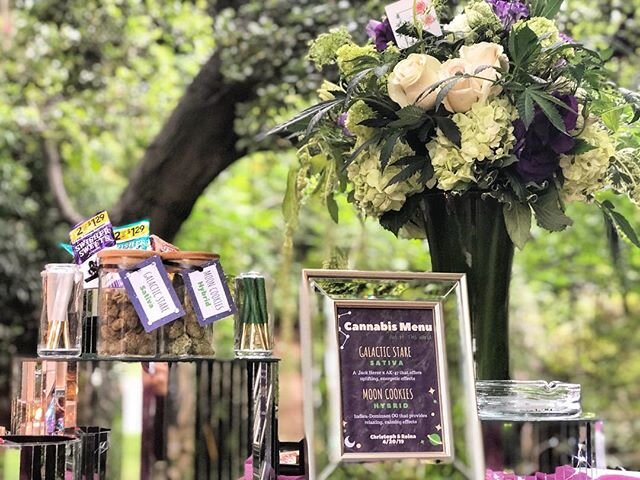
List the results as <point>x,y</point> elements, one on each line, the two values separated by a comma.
<point>120,332</point>
<point>186,336</point>
<point>508,399</point>
<point>61,318</point>
<point>253,323</point>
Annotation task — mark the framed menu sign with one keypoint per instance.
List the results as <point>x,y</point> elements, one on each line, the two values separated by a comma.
<point>393,381</point>
<point>377,379</point>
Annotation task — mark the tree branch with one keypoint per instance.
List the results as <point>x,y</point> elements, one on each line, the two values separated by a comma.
<point>194,146</point>
<point>56,183</point>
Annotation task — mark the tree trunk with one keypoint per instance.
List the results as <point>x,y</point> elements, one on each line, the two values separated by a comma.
<point>195,145</point>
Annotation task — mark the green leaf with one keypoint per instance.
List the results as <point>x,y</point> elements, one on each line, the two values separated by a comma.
<point>301,117</point>
<point>517,217</point>
<point>529,111</point>
<point>552,8</point>
<point>376,122</point>
<point>432,88</point>
<point>426,176</point>
<point>450,130</point>
<point>611,119</point>
<point>549,110</point>
<point>291,201</point>
<point>387,149</point>
<point>426,131</point>
<point>332,206</point>
<point>549,212</point>
<point>356,153</point>
<point>525,108</point>
<point>523,44</point>
<point>355,81</point>
<point>408,116</point>
<point>384,109</point>
<point>582,146</point>
<point>434,439</point>
<point>620,222</point>
<point>408,160</point>
<point>406,173</point>
<point>315,120</point>
<point>513,180</point>
<point>394,220</point>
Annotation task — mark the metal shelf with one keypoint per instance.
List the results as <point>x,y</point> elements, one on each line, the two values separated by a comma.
<point>129,359</point>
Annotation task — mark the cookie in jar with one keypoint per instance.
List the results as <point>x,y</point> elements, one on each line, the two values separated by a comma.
<point>186,336</point>
<point>121,333</point>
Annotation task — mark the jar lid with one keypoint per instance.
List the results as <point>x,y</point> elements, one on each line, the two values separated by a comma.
<point>61,267</point>
<point>117,253</point>
<point>190,256</point>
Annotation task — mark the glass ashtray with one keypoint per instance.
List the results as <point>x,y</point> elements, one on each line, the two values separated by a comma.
<point>527,400</point>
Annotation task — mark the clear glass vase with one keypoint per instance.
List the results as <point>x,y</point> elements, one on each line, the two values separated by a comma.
<point>513,399</point>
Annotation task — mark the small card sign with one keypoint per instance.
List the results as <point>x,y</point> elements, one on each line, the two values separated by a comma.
<point>209,293</point>
<point>395,399</point>
<point>151,293</point>
<point>402,12</point>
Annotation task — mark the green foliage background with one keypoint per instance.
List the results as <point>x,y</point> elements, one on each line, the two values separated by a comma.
<point>100,77</point>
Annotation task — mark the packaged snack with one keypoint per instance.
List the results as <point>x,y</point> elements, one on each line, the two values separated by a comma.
<point>66,247</point>
<point>134,236</point>
<point>87,239</point>
<point>159,245</point>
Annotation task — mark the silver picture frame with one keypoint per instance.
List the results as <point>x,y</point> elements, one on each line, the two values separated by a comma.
<point>323,293</point>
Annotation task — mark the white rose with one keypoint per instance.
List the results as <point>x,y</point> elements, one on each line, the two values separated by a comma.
<point>468,91</point>
<point>485,53</point>
<point>411,78</point>
<point>463,94</point>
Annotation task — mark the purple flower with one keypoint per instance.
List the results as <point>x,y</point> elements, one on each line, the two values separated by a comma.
<point>381,33</point>
<point>566,38</point>
<point>509,11</point>
<point>342,123</point>
<point>538,149</point>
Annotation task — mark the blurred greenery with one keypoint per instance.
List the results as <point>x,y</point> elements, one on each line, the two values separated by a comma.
<point>99,77</point>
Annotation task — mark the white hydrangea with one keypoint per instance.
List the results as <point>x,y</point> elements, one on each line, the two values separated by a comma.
<point>459,24</point>
<point>585,174</point>
<point>359,112</point>
<point>372,192</point>
<point>487,136</point>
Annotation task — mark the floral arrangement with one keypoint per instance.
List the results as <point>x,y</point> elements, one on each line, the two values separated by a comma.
<point>502,103</point>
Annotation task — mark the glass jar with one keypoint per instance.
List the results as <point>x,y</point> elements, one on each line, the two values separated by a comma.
<point>61,318</point>
<point>253,321</point>
<point>186,337</point>
<point>121,333</point>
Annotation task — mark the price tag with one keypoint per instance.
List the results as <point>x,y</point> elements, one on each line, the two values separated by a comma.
<point>403,11</point>
<point>98,220</point>
<point>133,236</point>
<point>151,293</point>
<point>209,293</point>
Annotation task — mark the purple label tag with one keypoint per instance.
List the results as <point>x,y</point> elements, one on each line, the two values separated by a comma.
<point>151,293</point>
<point>209,293</point>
